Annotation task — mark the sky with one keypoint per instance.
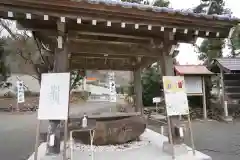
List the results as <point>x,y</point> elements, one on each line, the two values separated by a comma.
<point>187,54</point>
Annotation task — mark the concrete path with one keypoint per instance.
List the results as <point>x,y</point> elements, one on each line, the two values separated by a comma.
<point>219,140</point>
<point>17,132</point>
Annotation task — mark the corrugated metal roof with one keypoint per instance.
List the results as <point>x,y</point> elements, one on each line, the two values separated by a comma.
<point>192,70</point>
<point>184,12</point>
<point>230,64</point>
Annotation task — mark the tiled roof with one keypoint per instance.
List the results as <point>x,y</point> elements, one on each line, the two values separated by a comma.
<point>183,12</point>
<point>192,70</point>
<point>231,64</point>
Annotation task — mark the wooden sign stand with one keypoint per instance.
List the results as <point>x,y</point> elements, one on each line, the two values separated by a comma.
<point>64,143</point>
<point>37,140</point>
<point>191,135</point>
<point>176,104</point>
<point>171,136</point>
<point>64,114</point>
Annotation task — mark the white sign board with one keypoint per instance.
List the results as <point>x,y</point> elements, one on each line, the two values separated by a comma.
<point>156,99</point>
<point>175,95</point>
<point>193,84</point>
<point>20,92</point>
<point>54,96</point>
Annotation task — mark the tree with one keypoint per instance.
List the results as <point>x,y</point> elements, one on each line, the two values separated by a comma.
<point>211,48</point>
<point>26,48</point>
<point>151,84</point>
<point>161,3</point>
<point>76,78</point>
<point>211,6</point>
<point>234,42</point>
<point>4,71</point>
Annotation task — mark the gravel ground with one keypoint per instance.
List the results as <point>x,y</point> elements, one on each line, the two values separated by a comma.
<point>29,101</point>
<point>120,147</point>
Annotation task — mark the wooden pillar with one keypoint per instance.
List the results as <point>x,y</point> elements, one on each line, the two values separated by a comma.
<point>60,65</point>
<point>204,99</point>
<point>167,67</point>
<point>138,90</point>
<point>222,87</point>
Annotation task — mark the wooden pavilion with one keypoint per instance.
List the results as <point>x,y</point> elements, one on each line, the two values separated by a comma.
<point>114,35</point>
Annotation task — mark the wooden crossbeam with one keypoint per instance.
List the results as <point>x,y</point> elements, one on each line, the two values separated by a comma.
<point>112,49</point>
<point>99,64</point>
<point>101,56</point>
<point>100,67</point>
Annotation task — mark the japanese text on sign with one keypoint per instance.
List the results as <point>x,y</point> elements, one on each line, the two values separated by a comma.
<point>175,95</point>
<point>54,96</point>
<point>20,92</point>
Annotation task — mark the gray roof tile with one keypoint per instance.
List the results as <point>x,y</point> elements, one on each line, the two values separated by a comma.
<point>231,64</point>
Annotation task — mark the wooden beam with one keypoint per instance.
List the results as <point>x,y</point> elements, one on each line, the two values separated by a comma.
<point>113,41</point>
<point>109,62</point>
<point>101,63</point>
<point>102,48</point>
<point>74,65</point>
<point>155,32</point>
<point>112,49</point>
<point>101,56</point>
<point>115,35</point>
<point>95,36</point>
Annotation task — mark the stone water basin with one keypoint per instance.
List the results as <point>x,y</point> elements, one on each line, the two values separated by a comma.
<point>111,128</point>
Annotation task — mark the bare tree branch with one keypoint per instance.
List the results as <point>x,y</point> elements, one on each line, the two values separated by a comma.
<point>76,79</point>
<point>34,77</point>
<point>23,38</point>
<point>39,48</point>
<point>6,27</point>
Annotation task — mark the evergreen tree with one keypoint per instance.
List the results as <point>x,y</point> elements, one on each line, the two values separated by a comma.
<point>161,3</point>
<point>151,82</point>
<point>235,42</point>
<point>211,48</point>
